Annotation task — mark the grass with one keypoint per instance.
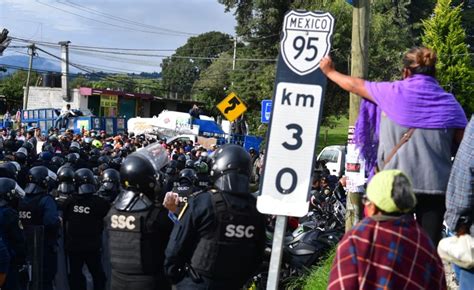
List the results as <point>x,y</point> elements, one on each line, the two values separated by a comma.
<point>335,133</point>
<point>317,278</point>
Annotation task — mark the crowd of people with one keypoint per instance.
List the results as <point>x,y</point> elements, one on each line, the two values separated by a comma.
<point>140,213</point>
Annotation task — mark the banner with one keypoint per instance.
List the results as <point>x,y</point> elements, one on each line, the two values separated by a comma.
<point>108,101</point>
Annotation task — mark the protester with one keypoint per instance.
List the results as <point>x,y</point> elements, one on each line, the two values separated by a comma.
<point>64,116</point>
<point>428,118</point>
<point>387,249</point>
<point>460,198</point>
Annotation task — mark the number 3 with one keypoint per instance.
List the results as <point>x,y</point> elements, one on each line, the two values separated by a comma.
<point>296,136</point>
<point>302,44</point>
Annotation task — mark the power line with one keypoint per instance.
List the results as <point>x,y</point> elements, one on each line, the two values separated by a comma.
<point>117,18</point>
<point>111,24</point>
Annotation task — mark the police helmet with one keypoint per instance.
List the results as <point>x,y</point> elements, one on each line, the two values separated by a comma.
<point>115,163</point>
<point>188,175</point>
<point>72,158</point>
<point>189,164</point>
<point>10,170</point>
<point>95,152</point>
<point>28,146</point>
<point>66,179</point>
<point>57,161</point>
<point>85,181</point>
<point>20,155</point>
<point>39,178</point>
<point>138,172</point>
<point>172,167</point>
<point>110,179</point>
<point>230,169</point>
<point>74,147</point>
<point>9,190</point>
<point>45,156</point>
<point>103,160</point>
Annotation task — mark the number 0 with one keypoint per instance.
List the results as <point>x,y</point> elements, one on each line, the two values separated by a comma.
<point>294,180</point>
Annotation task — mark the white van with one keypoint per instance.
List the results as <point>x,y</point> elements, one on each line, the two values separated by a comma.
<point>335,158</point>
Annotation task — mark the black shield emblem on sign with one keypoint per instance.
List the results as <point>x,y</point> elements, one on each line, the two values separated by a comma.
<point>306,40</point>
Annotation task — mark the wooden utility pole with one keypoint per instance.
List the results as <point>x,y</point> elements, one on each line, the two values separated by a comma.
<point>359,68</point>
<point>31,52</point>
<point>359,51</point>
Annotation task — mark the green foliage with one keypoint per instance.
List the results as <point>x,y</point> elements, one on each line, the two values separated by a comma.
<point>179,72</point>
<point>444,33</point>
<point>12,85</point>
<point>79,81</point>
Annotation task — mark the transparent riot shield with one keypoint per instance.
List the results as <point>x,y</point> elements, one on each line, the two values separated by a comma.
<point>35,246</point>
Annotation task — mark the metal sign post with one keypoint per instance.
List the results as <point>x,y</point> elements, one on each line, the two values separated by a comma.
<point>294,124</point>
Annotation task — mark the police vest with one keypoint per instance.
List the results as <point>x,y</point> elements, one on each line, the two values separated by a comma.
<point>31,214</point>
<point>84,225</point>
<point>234,242</point>
<point>131,242</point>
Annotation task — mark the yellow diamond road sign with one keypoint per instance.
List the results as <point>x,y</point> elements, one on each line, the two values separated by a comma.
<point>232,107</point>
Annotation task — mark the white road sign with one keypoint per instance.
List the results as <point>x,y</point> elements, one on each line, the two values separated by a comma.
<point>297,107</point>
<point>306,40</point>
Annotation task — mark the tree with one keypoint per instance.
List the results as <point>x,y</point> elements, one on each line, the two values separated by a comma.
<point>183,68</point>
<point>12,85</point>
<point>444,34</point>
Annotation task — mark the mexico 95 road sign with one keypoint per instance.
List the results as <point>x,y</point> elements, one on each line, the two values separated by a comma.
<point>296,112</point>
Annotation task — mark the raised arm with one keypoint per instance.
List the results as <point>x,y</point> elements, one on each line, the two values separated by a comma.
<point>347,83</point>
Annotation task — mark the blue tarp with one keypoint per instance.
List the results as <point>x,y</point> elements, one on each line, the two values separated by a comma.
<point>208,127</point>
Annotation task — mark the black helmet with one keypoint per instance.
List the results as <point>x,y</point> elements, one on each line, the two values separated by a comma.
<point>103,159</point>
<point>189,164</point>
<point>115,163</point>
<point>72,158</point>
<point>45,156</point>
<point>20,155</point>
<point>85,181</point>
<point>39,178</point>
<point>28,146</point>
<point>138,172</point>
<point>9,190</point>
<point>110,180</point>
<point>53,140</point>
<point>10,170</point>
<point>74,147</point>
<point>188,175</point>
<point>172,167</point>
<point>230,169</point>
<point>181,162</point>
<point>66,179</point>
<point>201,167</point>
<point>95,152</point>
<point>57,161</point>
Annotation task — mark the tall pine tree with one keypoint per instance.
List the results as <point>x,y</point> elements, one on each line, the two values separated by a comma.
<point>444,33</point>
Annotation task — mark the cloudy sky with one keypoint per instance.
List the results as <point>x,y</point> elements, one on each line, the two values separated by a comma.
<point>157,25</point>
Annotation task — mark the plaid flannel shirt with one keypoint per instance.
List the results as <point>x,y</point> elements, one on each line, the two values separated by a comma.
<point>387,253</point>
<point>459,194</point>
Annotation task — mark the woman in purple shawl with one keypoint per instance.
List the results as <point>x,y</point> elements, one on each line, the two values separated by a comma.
<point>391,109</point>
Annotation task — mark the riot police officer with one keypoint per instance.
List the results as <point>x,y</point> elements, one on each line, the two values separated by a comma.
<point>83,215</point>
<point>185,186</point>
<point>138,225</point>
<point>109,184</point>
<point>66,185</point>
<point>220,239</point>
<point>39,215</point>
<point>202,172</point>
<point>11,232</point>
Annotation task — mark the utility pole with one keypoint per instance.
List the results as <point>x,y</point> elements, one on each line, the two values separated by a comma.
<point>65,69</point>
<point>31,52</point>
<point>359,68</point>
<point>235,52</point>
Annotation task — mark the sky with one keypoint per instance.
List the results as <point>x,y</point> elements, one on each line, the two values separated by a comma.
<point>161,25</point>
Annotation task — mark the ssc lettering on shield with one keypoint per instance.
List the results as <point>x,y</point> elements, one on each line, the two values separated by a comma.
<point>239,231</point>
<point>122,222</point>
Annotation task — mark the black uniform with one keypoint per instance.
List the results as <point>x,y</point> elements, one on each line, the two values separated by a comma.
<point>83,218</point>
<point>138,237</point>
<point>138,225</point>
<point>221,236</point>
<point>220,239</point>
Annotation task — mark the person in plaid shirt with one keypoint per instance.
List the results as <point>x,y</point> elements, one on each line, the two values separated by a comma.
<point>387,249</point>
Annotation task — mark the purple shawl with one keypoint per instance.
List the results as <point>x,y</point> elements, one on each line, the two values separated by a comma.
<point>415,102</point>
